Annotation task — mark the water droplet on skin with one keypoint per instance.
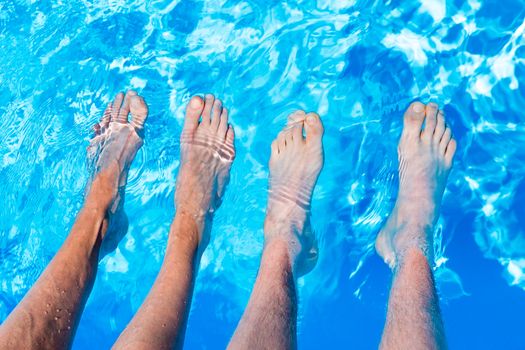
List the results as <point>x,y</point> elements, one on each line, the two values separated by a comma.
<point>56,318</point>
<point>68,327</point>
<point>48,304</point>
<point>58,310</point>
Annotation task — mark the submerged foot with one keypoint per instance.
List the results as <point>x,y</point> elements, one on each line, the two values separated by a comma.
<point>207,153</point>
<point>425,159</point>
<point>295,163</point>
<point>110,153</point>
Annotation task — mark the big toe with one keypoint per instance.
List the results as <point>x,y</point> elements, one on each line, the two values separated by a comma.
<point>139,111</point>
<point>413,120</point>
<point>193,113</point>
<point>313,128</point>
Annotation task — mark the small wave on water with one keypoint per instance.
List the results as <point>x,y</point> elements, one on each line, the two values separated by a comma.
<point>358,63</point>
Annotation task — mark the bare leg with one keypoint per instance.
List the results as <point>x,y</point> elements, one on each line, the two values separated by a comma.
<point>47,316</point>
<point>269,321</point>
<point>207,152</point>
<point>406,241</point>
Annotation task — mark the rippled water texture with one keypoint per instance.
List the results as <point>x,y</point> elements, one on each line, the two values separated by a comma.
<point>358,63</point>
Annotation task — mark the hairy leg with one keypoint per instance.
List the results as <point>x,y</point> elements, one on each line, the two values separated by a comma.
<point>207,152</point>
<point>47,316</point>
<point>269,321</point>
<point>406,241</point>
<point>413,318</point>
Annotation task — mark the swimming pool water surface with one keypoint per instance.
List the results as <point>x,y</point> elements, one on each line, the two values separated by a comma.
<point>358,64</point>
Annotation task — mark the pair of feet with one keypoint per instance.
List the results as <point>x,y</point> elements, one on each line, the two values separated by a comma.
<point>426,150</point>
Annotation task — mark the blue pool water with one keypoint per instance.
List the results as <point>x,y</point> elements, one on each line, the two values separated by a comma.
<point>358,63</point>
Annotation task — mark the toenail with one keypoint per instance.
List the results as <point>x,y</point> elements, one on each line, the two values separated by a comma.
<point>418,108</point>
<point>195,103</point>
<point>310,119</point>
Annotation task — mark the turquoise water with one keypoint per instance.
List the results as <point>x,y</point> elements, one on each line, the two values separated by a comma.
<point>358,64</point>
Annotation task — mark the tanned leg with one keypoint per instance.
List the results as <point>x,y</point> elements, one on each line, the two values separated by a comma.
<point>269,321</point>
<point>406,242</point>
<point>207,152</point>
<point>47,316</point>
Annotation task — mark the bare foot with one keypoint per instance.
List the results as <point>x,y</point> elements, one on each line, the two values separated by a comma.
<point>425,159</point>
<point>295,163</point>
<point>207,153</point>
<point>110,154</point>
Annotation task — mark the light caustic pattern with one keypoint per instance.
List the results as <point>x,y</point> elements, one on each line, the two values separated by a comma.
<point>357,63</point>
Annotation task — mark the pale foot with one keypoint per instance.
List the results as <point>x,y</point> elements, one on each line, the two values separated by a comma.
<point>110,153</point>
<point>207,153</point>
<point>425,159</point>
<point>295,163</point>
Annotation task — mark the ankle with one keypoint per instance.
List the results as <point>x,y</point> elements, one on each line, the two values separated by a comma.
<point>189,230</point>
<point>193,211</point>
<point>100,197</point>
<point>279,222</point>
<point>415,254</point>
<point>103,189</point>
<point>277,256</point>
<point>413,258</point>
